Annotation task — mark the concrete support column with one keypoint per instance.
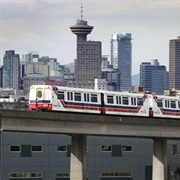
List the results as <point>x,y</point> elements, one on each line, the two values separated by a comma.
<point>78,158</point>
<point>159,166</point>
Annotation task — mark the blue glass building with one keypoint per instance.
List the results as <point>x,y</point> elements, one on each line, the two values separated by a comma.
<point>121,58</point>
<point>153,77</point>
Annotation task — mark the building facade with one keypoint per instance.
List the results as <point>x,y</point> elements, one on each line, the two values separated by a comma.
<point>44,156</point>
<point>174,63</point>
<point>11,70</point>
<point>121,58</point>
<point>88,63</point>
<point>153,77</point>
<point>37,68</point>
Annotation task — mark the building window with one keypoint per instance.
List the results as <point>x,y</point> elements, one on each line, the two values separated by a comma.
<point>174,149</point>
<point>106,148</point>
<point>61,148</point>
<point>19,175</point>
<point>62,175</point>
<point>36,148</point>
<point>126,148</point>
<point>14,148</point>
<point>116,174</point>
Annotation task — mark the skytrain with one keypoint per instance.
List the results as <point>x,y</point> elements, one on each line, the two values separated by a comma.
<point>57,98</point>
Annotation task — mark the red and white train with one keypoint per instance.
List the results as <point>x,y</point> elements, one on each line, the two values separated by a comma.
<point>57,98</point>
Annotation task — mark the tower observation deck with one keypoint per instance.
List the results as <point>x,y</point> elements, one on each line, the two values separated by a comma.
<point>81,29</point>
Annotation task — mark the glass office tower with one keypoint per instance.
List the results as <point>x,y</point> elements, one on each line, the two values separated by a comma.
<point>121,58</point>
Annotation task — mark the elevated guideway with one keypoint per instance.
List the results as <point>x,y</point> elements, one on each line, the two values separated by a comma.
<point>81,125</point>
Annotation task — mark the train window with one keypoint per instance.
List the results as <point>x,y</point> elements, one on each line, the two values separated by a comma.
<point>125,100</point>
<point>118,99</point>
<point>140,101</point>
<point>133,101</point>
<point>159,103</point>
<point>77,96</point>
<point>167,103</point>
<point>86,97</point>
<point>173,104</point>
<point>110,100</point>
<point>39,94</point>
<point>70,96</point>
<point>93,97</point>
<point>60,95</point>
<point>178,104</point>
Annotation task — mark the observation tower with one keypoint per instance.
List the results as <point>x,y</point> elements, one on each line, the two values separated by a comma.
<point>81,28</point>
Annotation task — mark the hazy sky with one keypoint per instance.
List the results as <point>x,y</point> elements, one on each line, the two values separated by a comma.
<point>43,26</point>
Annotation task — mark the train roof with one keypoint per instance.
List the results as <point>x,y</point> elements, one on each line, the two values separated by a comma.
<point>90,90</point>
<point>168,97</point>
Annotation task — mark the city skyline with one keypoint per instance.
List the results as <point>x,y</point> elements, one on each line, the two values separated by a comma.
<point>43,26</point>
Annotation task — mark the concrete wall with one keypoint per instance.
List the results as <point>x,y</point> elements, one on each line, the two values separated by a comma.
<point>49,161</point>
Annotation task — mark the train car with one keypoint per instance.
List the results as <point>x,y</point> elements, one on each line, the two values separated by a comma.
<point>54,98</point>
<point>126,103</point>
<point>57,98</point>
<point>166,106</point>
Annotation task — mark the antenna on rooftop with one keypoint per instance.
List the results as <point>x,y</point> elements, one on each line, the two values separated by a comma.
<point>81,11</point>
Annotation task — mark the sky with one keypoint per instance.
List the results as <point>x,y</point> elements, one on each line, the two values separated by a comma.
<point>43,26</point>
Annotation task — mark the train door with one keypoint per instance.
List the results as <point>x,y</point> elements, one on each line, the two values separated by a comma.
<point>103,109</point>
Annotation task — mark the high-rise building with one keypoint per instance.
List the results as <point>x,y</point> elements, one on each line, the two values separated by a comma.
<point>113,77</point>
<point>37,68</point>
<point>153,77</point>
<point>88,62</point>
<point>105,62</point>
<point>174,63</point>
<point>121,58</point>
<point>1,76</point>
<point>30,56</point>
<point>11,70</point>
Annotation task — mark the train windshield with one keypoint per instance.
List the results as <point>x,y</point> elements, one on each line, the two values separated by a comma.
<point>39,93</point>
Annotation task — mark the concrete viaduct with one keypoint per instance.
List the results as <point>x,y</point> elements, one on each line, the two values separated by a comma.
<point>81,125</point>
